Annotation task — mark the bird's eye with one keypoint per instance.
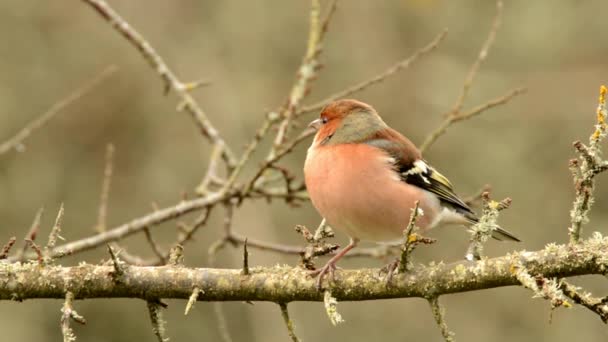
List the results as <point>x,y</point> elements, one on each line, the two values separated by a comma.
<point>324,120</point>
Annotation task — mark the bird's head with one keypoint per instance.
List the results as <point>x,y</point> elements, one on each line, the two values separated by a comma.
<point>346,121</point>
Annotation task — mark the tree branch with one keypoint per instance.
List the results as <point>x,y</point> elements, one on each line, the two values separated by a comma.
<point>285,284</point>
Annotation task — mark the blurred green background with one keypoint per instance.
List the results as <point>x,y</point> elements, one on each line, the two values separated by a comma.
<point>250,51</point>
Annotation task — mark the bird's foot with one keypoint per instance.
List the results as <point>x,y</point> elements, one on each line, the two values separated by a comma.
<point>328,269</point>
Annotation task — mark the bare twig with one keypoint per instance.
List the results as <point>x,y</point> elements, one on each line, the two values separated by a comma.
<point>409,238</point>
<point>452,118</point>
<point>16,142</point>
<point>291,329</point>
<point>69,314</point>
<point>136,225</point>
<point>585,171</point>
<point>56,230</point>
<point>547,288</point>
<point>306,73</point>
<point>105,189</point>
<point>439,315</point>
<point>156,318</point>
<point>269,162</point>
<point>596,305</point>
<point>481,57</point>
<point>169,78</point>
<point>455,114</point>
<point>30,236</point>
<point>401,65</point>
<point>155,247</point>
<point>483,229</point>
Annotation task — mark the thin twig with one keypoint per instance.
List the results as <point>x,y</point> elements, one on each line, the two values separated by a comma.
<point>487,224</point>
<point>171,82</point>
<point>30,236</point>
<point>56,230</point>
<point>16,142</point>
<point>596,305</point>
<point>136,225</point>
<point>481,57</point>
<point>275,158</point>
<point>449,120</point>
<point>291,329</point>
<point>306,73</point>
<point>105,189</point>
<point>584,172</point>
<point>401,65</point>
<point>155,247</point>
<point>455,114</point>
<point>439,315</point>
<point>156,318</point>
<point>408,239</point>
<point>68,314</point>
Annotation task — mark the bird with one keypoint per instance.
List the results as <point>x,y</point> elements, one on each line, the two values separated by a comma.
<point>365,178</point>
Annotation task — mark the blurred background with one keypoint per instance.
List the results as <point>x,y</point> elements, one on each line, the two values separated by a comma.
<point>250,51</point>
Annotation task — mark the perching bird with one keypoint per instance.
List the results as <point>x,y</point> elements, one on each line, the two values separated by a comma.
<point>364,178</point>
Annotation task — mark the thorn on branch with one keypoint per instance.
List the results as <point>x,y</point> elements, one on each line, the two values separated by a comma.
<point>291,329</point>
<point>37,249</point>
<point>56,230</point>
<point>119,266</point>
<point>193,298</point>
<point>245,270</point>
<point>7,247</point>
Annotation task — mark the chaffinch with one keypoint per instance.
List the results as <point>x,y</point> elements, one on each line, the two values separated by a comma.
<point>364,178</point>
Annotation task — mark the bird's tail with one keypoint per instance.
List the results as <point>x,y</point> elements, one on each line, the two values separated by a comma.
<point>503,235</point>
<point>498,233</point>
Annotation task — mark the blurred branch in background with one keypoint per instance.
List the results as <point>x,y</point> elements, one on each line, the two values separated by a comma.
<point>17,141</point>
<point>456,114</point>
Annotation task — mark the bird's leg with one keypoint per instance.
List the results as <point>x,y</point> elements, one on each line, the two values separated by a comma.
<point>330,266</point>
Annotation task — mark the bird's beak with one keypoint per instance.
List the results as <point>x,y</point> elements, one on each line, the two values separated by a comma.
<point>316,124</point>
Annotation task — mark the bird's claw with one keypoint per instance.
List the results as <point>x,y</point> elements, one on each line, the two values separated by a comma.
<point>330,268</point>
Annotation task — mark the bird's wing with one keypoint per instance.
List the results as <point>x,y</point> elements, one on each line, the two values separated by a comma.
<point>416,171</point>
<point>424,176</point>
